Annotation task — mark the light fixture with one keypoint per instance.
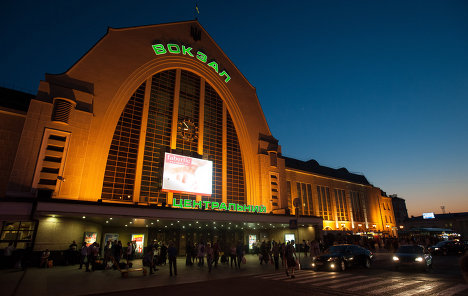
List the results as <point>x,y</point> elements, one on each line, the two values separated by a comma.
<point>84,217</point>
<point>110,218</point>
<point>126,225</point>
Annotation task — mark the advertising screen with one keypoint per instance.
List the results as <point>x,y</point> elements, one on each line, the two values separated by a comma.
<point>139,240</point>
<point>186,174</point>
<point>428,216</point>
<point>252,241</point>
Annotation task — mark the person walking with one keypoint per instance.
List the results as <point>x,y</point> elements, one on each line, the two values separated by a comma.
<point>8,255</point>
<point>314,248</point>
<point>201,254</point>
<point>263,253</point>
<point>276,253</point>
<point>148,259</point>
<point>92,257</point>
<point>209,256</point>
<point>232,255</point>
<point>107,253</point>
<point>290,258</point>
<point>216,253</point>
<point>239,253</point>
<point>172,253</point>
<point>117,251</point>
<point>188,254</point>
<point>128,252</point>
<point>83,257</point>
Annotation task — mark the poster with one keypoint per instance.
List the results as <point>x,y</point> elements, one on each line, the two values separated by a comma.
<point>139,240</point>
<point>110,237</point>
<point>252,241</point>
<point>90,238</point>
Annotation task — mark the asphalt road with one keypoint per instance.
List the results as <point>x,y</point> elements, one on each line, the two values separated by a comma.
<point>444,280</point>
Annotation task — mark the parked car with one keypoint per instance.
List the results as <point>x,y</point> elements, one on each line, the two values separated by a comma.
<point>340,257</point>
<point>448,247</point>
<point>413,256</point>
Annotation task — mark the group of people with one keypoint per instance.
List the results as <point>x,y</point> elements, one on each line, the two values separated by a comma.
<point>156,255</point>
<point>272,252</point>
<point>214,252</point>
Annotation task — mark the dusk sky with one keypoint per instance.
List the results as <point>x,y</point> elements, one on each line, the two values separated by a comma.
<point>378,87</point>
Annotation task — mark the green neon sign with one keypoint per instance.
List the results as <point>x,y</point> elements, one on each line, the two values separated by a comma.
<point>193,204</point>
<point>173,48</point>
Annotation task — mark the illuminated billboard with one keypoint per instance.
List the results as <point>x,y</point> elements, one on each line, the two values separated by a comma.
<point>187,175</point>
<point>428,216</point>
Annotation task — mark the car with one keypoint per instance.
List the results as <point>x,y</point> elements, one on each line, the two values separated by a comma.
<point>340,257</point>
<point>413,256</point>
<point>447,247</point>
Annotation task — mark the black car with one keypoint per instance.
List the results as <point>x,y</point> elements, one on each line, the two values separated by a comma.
<point>447,247</point>
<point>412,256</point>
<point>340,257</point>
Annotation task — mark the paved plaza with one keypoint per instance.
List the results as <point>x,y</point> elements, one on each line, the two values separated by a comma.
<point>69,280</point>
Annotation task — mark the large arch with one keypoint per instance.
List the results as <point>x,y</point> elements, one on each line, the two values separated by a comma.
<point>94,172</point>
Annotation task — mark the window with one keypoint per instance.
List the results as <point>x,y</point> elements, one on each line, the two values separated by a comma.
<point>119,177</point>
<point>341,205</point>
<point>19,232</point>
<point>358,206</point>
<point>324,202</point>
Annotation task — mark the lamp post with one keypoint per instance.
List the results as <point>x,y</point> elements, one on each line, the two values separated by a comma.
<point>297,203</point>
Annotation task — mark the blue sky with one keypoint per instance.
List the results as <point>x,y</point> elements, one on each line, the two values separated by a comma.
<point>378,87</point>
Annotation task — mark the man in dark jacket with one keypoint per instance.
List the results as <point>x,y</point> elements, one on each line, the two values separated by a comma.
<point>172,254</point>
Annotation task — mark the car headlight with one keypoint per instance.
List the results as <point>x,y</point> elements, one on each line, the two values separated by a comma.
<point>436,249</point>
<point>313,264</point>
<point>418,259</point>
<point>395,258</point>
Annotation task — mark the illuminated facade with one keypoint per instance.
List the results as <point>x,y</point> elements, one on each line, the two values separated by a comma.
<point>94,139</point>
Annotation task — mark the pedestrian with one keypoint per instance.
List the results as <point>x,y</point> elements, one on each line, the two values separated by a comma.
<point>148,259</point>
<point>209,256</point>
<point>172,252</point>
<point>194,252</point>
<point>107,253</point>
<point>93,252</point>
<point>201,254</point>
<point>117,251</point>
<point>216,254</point>
<point>45,258</point>
<point>128,252</point>
<point>240,253</point>
<point>84,257</point>
<point>263,253</point>
<point>233,255</point>
<point>314,248</point>
<point>163,253</point>
<point>72,252</point>
<point>188,254</point>
<point>290,258</point>
<point>8,254</point>
<point>276,253</point>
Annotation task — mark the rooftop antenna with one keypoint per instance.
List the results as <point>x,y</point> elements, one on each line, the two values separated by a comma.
<point>443,209</point>
<point>197,12</point>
